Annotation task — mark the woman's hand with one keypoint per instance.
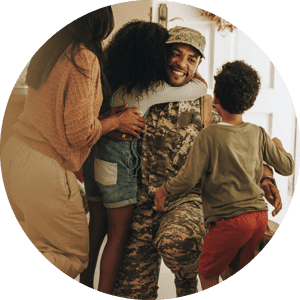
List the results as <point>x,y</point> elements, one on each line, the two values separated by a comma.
<point>130,122</point>
<point>122,119</point>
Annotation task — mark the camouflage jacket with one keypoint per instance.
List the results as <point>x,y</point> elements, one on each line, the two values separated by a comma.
<point>169,134</point>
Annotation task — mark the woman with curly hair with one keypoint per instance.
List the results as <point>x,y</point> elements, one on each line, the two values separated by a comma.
<point>54,135</point>
<point>137,70</point>
<point>228,159</point>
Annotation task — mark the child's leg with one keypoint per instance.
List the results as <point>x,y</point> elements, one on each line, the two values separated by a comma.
<point>119,221</point>
<point>97,232</point>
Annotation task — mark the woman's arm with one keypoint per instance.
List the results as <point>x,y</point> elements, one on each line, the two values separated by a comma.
<point>82,97</point>
<point>82,126</point>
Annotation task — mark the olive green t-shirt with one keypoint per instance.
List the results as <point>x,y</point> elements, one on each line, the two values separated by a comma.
<point>229,162</point>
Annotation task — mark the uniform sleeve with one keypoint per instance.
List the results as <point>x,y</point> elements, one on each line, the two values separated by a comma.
<point>282,162</point>
<point>82,126</point>
<point>194,169</point>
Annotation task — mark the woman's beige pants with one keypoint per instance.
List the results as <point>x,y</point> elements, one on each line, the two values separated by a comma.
<point>46,197</point>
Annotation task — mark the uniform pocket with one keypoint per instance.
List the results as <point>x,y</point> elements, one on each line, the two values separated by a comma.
<point>184,119</point>
<point>105,172</point>
<point>159,141</point>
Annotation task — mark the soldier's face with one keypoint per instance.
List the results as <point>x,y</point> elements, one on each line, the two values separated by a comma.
<point>183,64</point>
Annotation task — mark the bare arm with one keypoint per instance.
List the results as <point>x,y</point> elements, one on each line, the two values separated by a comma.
<point>271,192</point>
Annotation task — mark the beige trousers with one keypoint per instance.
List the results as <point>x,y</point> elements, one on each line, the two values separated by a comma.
<point>46,197</point>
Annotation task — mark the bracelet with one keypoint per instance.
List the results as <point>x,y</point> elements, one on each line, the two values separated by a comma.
<point>270,178</point>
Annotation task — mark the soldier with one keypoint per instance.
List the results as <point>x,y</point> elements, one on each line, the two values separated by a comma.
<point>176,235</point>
<point>110,176</point>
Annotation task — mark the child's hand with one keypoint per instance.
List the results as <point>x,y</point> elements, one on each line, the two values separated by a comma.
<point>160,197</point>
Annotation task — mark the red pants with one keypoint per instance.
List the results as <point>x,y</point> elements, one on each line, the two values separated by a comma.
<point>232,242</point>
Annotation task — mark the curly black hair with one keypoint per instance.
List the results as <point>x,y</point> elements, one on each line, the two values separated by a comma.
<point>137,57</point>
<point>237,86</point>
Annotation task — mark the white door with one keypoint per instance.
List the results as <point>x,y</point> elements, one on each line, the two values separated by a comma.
<point>273,109</point>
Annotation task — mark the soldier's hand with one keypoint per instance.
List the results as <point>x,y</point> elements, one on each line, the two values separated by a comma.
<point>272,196</point>
<point>159,199</point>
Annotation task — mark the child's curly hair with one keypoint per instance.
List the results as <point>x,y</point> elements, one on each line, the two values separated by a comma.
<point>138,57</point>
<point>237,86</point>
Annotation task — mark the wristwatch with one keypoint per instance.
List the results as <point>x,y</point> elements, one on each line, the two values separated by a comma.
<point>270,178</point>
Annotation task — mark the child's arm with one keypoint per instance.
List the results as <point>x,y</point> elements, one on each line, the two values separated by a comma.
<point>189,175</point>
<point>275,155</point>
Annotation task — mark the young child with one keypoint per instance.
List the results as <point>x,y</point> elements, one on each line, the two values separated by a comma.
<point>228,157</point>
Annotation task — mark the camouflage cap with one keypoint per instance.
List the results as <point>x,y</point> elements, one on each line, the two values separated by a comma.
<point>188,36</point>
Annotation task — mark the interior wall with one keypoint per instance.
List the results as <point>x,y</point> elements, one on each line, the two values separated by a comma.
<point>128,11</point>
<point>123,13</point>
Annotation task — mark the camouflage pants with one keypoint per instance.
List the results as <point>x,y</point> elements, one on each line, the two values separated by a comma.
<point>177,237</point>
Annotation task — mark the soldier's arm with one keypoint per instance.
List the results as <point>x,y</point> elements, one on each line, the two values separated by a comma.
<point>271,192</point>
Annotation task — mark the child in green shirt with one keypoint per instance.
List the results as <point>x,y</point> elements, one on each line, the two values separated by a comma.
<point>228,157</point>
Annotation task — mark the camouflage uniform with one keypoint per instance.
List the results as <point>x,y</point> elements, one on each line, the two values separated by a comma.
<point>176,235</point>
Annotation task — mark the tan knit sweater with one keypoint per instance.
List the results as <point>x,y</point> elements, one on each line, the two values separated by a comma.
<point>60,118</point>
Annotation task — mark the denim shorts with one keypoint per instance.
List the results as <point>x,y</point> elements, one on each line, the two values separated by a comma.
<point>110,172</point>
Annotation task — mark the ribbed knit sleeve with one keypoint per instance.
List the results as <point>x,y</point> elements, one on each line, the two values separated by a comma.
<point>60,119</point>
<point>82,126</point>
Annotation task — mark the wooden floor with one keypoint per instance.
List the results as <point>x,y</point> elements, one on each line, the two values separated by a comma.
<point>166,278</point>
